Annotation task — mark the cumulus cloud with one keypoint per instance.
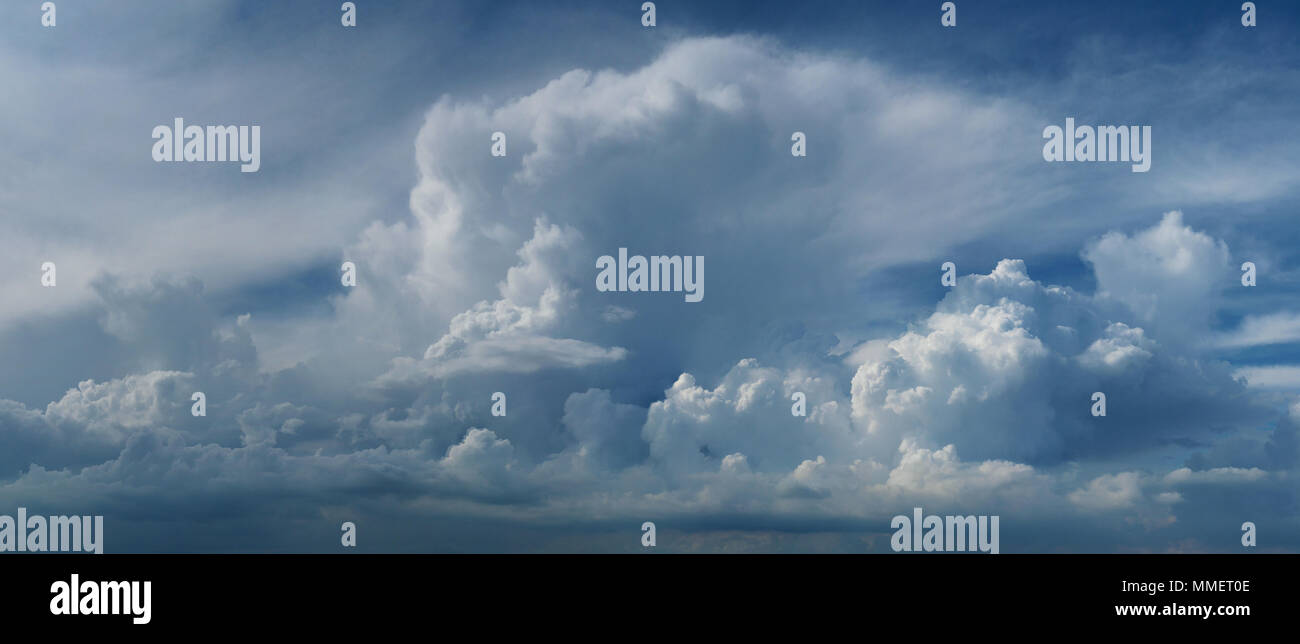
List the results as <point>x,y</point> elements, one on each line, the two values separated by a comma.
<point>1109,491</point>
<point>694,427</point>
<point>607,432</point>
<point>1006,367</point>
<point>1170,275</point>
<point>509,334</point>
<point>611,158</point>
<point>93,421</point>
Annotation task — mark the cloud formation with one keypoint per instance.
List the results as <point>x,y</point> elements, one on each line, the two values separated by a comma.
<point>632,407</point>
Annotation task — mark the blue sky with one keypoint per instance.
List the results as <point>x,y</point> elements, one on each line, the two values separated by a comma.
<point>477,274</point>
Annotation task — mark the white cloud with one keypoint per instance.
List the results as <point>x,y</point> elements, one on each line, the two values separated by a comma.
<point>1109,492</point>
<point>1256,330</point>
<point>509,334</point>
<point>1005,367</point>
<point>1271,376</point>
<point>1169,275</point>
<point>940,474</point>
<point>749,412</point>
<point>1215,475</point>
<point>1123,348</point>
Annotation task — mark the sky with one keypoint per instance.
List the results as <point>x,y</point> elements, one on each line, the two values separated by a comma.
<point>475,274</point>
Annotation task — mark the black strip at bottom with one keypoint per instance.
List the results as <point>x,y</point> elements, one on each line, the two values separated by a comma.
<point>633,596</point>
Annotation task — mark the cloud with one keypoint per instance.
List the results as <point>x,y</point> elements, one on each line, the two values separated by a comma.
<point>607,432</point>
<point>940,474</point>
<point>1258,330</point>
<point>1006,367</point>
<point>1169,275</point>
<point>592,155</point>
<point>1285,377</point>
<point>1215,475</point>
<point>1109,492</point>
<point>508,335</point>
<point>748,414</point>
<point>93,422</point>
